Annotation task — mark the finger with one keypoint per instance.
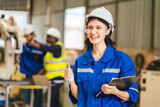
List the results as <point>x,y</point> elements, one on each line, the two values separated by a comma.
<point>68,65</point>
<point>66,71</point>
<point>66,77</point>
<point>66,74</point>
<point>107,86</point>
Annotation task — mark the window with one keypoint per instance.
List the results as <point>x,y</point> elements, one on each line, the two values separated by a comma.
<point>74,28</point>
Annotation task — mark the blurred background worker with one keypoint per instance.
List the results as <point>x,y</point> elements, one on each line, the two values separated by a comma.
<point>54,62</point>
<point>31,63</point>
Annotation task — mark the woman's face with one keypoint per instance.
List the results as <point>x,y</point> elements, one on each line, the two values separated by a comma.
<point>96,31</point>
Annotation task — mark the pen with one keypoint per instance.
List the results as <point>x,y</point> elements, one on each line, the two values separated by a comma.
<point>68,78</point>
<point>98,94</point>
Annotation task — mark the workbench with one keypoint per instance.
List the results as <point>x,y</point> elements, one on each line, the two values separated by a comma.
<point>8,85</point>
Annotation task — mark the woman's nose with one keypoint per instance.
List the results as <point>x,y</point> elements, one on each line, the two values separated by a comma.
<point>94,30</point>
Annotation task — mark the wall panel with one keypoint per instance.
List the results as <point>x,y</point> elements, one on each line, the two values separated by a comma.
<point>157,25</point>
<point>39,7</point>
<point>134,18</point>
<point>96,2</point>
<point>38,19</point>
<point>58,22</point>
<point>15,5</point>
<point>74,3</point>
<point>58,5</point>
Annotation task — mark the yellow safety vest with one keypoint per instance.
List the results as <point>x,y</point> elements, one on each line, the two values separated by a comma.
<point>55,67</point>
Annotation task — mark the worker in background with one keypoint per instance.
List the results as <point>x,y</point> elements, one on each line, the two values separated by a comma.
<point>94,69</point>
<point>31,63</point>
<point>54,63</point>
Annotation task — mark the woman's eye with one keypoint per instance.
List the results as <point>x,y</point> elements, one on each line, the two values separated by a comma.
<point>98,27</point>
<point>90,27</point>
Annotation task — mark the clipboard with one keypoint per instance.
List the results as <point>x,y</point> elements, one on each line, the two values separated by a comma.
<point>122,83</point>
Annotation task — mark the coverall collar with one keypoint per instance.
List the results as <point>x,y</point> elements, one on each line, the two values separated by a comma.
<point>108,55</point>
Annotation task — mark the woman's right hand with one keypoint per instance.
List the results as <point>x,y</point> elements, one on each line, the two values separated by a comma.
<point>68,74</point>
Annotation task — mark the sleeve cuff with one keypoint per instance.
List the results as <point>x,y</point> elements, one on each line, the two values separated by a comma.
<point>133,95</point>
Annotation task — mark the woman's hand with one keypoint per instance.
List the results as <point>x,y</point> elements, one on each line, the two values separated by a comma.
<point>107,89</point>
<point>68,75</point>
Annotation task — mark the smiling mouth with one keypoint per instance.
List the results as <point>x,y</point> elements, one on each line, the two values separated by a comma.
<point>94,37</point>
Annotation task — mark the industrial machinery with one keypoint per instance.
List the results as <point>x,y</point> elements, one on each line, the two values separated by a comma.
<point>7,31</point>
<point>150,88</point>
<point>11,54</point>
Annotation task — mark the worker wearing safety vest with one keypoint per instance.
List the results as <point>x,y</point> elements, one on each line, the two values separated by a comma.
<point>54,62</point>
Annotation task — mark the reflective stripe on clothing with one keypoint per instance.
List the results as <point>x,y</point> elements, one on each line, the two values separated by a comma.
<point>59,70</point>
<point>55,62</point>
<point>134,89</point>
<point>110,70</point>
<point>58,81</point>
<point>85,70</point>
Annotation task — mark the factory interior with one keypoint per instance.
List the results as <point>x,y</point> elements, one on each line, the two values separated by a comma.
<point>136,31</point>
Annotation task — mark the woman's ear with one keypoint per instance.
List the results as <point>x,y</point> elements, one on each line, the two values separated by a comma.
<point>108,31</point>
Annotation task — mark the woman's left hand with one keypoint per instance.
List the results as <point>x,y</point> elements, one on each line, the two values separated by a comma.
<point>107,89</point>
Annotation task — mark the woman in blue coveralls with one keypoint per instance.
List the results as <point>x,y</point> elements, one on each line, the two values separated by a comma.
<point>94,69</point>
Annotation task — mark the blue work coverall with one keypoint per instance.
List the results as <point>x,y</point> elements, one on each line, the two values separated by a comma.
<point>30,64</point>
<point>90,75</point>
<point>31,60</point>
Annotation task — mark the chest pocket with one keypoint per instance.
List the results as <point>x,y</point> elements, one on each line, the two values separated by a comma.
<point>81,78</point>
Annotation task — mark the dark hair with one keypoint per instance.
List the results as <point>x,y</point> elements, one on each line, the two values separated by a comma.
<point>32,33</point>
<point>107,39</point>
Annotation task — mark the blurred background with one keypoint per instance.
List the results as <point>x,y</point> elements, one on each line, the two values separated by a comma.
<point>137,33</point>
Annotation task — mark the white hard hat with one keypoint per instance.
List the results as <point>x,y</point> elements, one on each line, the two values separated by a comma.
<point>28,29</point>
<point>54,32</point>
<point>103,14</point>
